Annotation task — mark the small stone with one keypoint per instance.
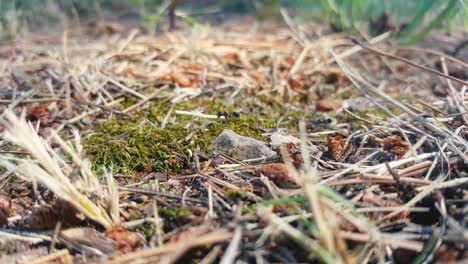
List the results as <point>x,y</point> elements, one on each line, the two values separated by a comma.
<point>276,139</point>
<point>240,147</point>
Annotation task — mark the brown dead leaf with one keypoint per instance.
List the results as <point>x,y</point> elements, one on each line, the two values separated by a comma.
<point>194,82</point>
<point>148,168</point>
<point>335,146</point>
<point>396,145</point>
<point>181,79</point>
<point>257,77</point>
<point>127,241</point>
<point>326,105</point>
<point>279,174</point>
<point>133,72</point>
<point>166,77</point>
<point>294,151</point>
<point>296,82</point>
<point>231,56</point>
<point>192,67</point>
<point>287,63</point>
<point>177,77</point>
<point>39,112</point>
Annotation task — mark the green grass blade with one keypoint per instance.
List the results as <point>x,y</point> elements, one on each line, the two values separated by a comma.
<point>190,20</point>
<point>451,6</point>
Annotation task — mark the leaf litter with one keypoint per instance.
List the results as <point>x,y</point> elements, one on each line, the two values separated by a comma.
<point>106,148</point>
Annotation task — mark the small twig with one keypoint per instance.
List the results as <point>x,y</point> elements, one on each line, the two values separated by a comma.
<point>459,47</point>
<point>204,240</point>
<point>30,101</point>
<point>388,55</point>
<point>406,244</point>
<point>163,194</point>
<point>62,256</point>
<point>210,202</point>
<point>144,101</point>
<point>437,53</point>
<point>211,257</point>
<point>233,249</point>
<point>394,174</point>
<point>78,118</point>
<point>13,152</point>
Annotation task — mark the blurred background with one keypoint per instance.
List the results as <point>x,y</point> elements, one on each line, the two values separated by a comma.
<point>413,20</point>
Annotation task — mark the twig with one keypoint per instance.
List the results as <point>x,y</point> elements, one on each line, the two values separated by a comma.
<point>83,115</point>
<point>437,53</point>
<point>62,256</point>
<point>163,194</point>
<point>395,242</point>
<point>198,114</point>
<point>144,101</point>
<point>31,101</point>
<point>385,54</point>
<point>233,248</point>
<point>205,240</point>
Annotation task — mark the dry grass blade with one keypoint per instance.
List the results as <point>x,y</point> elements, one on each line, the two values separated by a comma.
<point>204,240</point>
<point>312,246</point>
<point>381,53</point>
<point>49,169</point>
<point>455,141</point>
<point>62,256</point>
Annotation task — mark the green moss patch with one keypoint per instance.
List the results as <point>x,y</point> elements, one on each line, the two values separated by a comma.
<point>141,143</point>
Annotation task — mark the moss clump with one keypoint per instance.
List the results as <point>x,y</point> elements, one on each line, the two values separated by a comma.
<point>178,213</point>
<point>234,195</point>
<point>147,230</point>
<point>139,143</point>
<point>129,102</point>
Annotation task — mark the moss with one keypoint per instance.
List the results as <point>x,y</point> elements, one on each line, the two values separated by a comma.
<point>128,102</point>
<point>7,247</point>
<point>174,217</point>
<point>132,145</point>
<point>138,143</point>
<point>234,195</point>
<point>12,178</point>
<point>147,230</point>
<point>178,213</point>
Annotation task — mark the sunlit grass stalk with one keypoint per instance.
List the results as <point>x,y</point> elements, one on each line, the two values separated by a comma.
<point>310,179</point>
<point>327,210</point>
<point>49,169</point>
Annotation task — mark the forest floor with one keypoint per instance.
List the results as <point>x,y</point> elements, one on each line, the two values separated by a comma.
<point>339,154</point>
